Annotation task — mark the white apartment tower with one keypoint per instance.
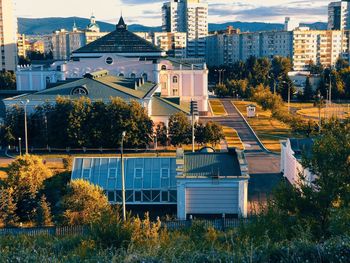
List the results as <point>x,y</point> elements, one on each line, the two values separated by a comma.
<point>191,17</point>
<point>339,15</point>
<point>8,32</point>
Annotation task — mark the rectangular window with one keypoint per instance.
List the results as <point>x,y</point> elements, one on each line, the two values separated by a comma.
<point>86,173</point>
<point>138,196</point>
<point>119,198</point>
<point>156,196</point>
<point>111,196</point>
<point>129,196</point>
<point>112,173</point>
<point>138,173</point>
<point>146,196</point>
<point>164,173</point>
<point>165,196</point>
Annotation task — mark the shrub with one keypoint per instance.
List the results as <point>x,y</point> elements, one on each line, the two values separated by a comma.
<point>84,203</point>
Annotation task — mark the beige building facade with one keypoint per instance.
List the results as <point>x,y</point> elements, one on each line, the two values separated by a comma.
<point>8,33</point>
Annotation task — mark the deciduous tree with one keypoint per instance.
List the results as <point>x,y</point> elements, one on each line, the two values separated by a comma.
<point>84,203</point>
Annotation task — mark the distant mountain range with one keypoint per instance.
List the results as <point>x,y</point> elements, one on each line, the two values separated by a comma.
<point>40,26</point>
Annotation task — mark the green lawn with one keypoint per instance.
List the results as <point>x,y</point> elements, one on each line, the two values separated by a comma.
<point>217,108</point>
<point>269,130</point>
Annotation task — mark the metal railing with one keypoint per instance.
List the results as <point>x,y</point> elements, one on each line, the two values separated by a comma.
<point>218,224</point>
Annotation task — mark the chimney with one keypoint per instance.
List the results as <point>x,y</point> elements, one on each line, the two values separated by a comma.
<point>135,85</point>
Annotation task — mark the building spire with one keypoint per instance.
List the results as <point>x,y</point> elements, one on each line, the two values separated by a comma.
<point>121,24</point>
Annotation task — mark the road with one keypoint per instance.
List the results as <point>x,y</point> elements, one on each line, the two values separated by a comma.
<point>259,160</point>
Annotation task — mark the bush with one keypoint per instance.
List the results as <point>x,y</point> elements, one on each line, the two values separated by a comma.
<point>109,230</point>
<point>84,203</point>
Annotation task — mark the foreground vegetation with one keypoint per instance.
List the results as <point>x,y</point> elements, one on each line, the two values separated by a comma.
<point>308,222</point>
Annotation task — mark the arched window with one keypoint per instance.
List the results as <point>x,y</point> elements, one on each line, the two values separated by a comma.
<point>109,61</point>
<point>48,80</point>
<point>121,75</point>
<point>175,79</point>
<point>133,75</point>
<point>79,91</point>
<point>145,77</point>
<point>163,67</point>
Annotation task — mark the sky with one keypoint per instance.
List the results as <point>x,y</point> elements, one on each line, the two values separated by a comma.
<point>148,12</point>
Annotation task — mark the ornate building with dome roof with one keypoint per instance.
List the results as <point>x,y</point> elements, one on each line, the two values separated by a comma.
<point>93,26</point>
<point>124,54</point>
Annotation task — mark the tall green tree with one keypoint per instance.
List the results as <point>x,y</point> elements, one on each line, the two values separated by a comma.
<point>213,133</point>
<point>162,134</point>
<point>84,203</point>
<point>311,204</point>
<point>8,208</point>
<point>179,129</point>
<point>7,81</point>
<point>26,176</point>
<point>43,213</point>
<point>308,93</point>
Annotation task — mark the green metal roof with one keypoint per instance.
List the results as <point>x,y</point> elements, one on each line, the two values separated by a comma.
<point>164,107</point>
<point>120,41</point>
<point>102,88</point>
<point>211,165</point>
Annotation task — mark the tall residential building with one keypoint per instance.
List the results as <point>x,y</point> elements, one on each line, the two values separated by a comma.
<point>339,15</point>
<point>323,47</point>
<point>65,42</point>
<point>8,28</point>
<point>191,17</point>
<point>23,45</point>
<point>173,43</point>
<point>302,45</point>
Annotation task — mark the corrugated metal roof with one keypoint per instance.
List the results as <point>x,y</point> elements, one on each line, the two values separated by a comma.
<point>211,165</point>
<point>102,88</point>
<point>120,41</point>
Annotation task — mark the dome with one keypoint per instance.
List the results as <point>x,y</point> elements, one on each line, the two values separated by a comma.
<point>207,149</point>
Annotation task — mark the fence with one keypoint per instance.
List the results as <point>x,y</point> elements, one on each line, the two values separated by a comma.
<point>45,231</point>
<point>218,224</point>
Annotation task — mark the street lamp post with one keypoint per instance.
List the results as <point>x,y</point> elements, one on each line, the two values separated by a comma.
<point>20,146</point>
<point>25,123</point>
<point>123,176</point>
<point>220,71</point>
<point>319,98</point>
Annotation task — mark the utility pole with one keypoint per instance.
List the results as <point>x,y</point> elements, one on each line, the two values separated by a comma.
<point>194,111</point>
<point>20,146</point>
<point>319,97</point>
<point>123,176</point>
<point>25,123</point>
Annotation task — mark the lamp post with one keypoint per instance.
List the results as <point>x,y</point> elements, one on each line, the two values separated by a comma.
<point>319,99</point>
<point>123,177</point>
<point>25,123</point>
<point>20,146</point>
<point>274,83</point>
<point>284,82</point>
<point>220,71</point>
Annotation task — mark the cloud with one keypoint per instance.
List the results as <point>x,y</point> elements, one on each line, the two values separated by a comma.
<point>149,12</point>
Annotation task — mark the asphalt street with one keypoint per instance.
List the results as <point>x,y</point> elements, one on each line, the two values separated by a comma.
<point>259,160</point>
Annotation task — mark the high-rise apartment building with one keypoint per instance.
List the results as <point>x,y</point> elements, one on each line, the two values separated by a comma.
<point>8,32</point>
<point>65,42</point>
<point>191,17</point>
<point>173,43</point>
<point>302,45</point>
<point>339,15</point>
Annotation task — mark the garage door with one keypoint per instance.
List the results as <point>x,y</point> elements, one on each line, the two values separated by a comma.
<point>212,200</point>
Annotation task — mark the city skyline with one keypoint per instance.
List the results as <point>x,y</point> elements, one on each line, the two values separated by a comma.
<point>150,13</point>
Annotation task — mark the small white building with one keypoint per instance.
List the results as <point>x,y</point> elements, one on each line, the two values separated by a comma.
<point>251,111</point>
<point>292,152</point>
<point>195,184</point>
